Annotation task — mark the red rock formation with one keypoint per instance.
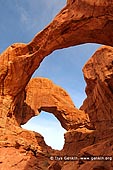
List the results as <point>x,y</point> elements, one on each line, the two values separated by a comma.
<point>79,22</point>
<point>42,94</point>
<point>92,21</point>
<point>20,149</point>
<point>98,73</point>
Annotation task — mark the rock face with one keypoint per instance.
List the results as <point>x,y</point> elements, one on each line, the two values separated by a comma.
<point>20,149</point>
<point>98,73</point>
<point>42,94</point>
<point>79,22</point>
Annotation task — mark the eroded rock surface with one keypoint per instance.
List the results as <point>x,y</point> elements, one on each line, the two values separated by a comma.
<point>98,73</point>
<point>43,94</point>
<point>22,149</point>
<point>79,22</point>
<point>92,21</point>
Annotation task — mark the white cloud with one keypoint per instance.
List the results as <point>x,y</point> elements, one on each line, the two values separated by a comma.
<point>37,14</point>
<point>24,16</point>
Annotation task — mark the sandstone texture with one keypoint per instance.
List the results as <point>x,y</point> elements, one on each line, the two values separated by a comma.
<point>43,94</point>
<point>98,73</point>
<point>89,129</point>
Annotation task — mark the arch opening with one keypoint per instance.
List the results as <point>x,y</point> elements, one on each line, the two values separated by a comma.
<point>49,127</point>
<point>64,68</point>
<point>59,75</point>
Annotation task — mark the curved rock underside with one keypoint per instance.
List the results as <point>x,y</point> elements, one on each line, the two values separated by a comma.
<point>42,94</point>
<point>79,22</point>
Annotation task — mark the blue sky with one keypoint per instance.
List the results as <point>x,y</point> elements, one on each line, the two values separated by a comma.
<point>19,22</point>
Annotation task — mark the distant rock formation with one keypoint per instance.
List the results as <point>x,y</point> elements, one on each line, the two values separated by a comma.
<point>79,22</point>
<point>43,94</point>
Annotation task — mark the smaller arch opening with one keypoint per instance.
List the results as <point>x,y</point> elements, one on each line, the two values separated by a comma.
<point>49,127</point>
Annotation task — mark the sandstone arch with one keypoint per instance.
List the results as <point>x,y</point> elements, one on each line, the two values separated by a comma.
<point>43,94</point>
<point>81,21</point>
<point>92,21</point>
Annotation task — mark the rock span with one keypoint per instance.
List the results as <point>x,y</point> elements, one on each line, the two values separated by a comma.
<point>92,21</point>
<point>79,22</point>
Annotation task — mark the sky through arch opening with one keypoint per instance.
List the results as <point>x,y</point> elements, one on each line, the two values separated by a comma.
<point>64,68</point>
<point>49,127</point>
